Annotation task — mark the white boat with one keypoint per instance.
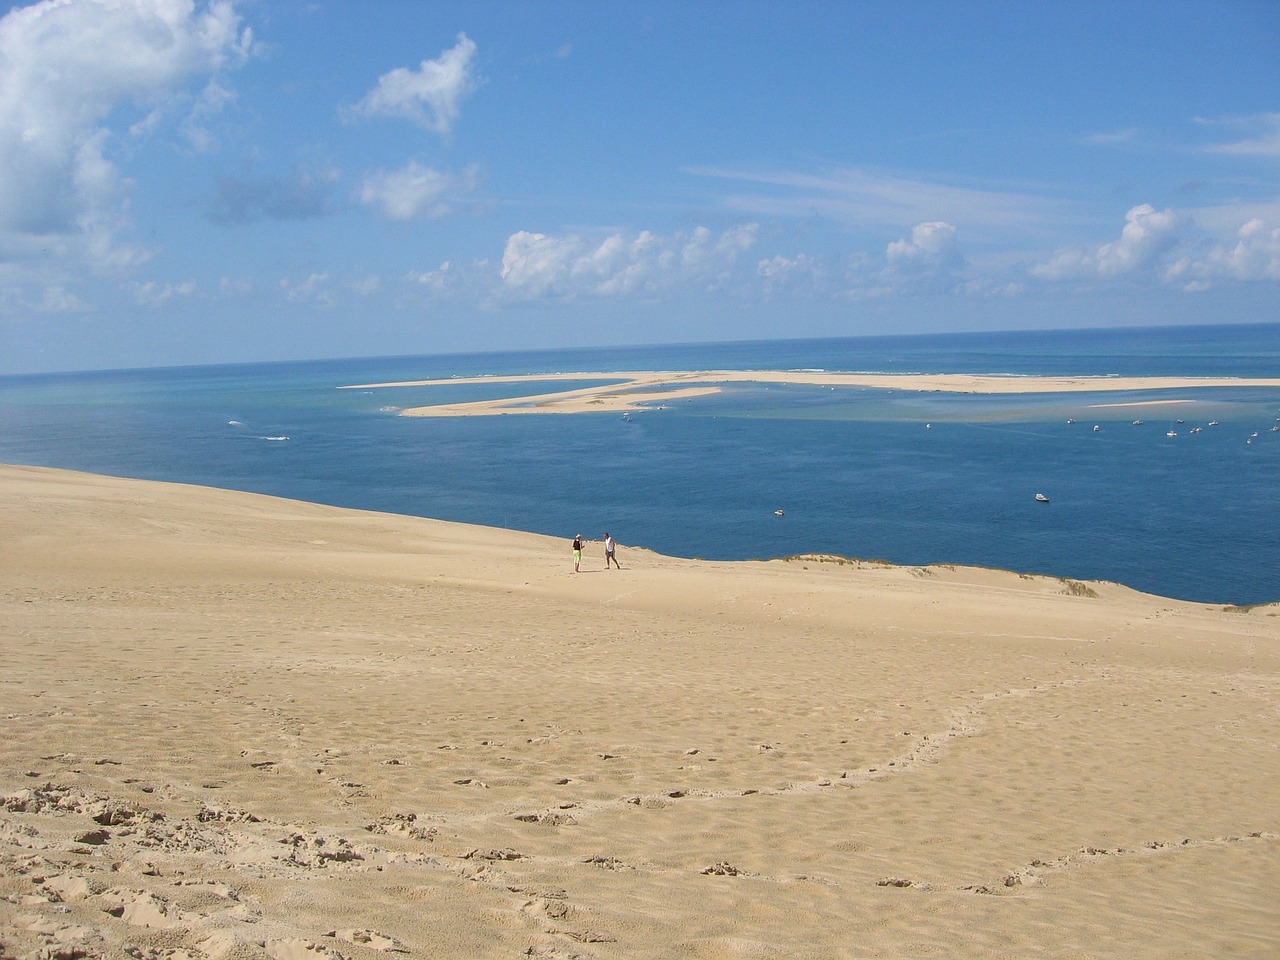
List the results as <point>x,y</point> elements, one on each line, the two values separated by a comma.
<point>1096,428</point>
<point>1137,423</point>
<point>777,513</point>
<point>1042,498</point>
<point>1213,423</point>
<point>1172,433</point>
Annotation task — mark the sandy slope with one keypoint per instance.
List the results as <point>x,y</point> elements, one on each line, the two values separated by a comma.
<point>237,726</point>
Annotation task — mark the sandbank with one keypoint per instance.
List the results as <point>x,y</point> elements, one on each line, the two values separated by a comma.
<point>635,391</point>
<point>241,727</point>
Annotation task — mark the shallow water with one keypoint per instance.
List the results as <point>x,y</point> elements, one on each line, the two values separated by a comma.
<point>909,477</point>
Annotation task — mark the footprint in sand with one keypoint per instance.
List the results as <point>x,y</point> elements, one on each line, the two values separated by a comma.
<point>140,908</point>
<point>295,948</point>
<point>369,938</point>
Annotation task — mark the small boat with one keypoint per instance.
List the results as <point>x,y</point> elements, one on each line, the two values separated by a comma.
<point>1137,423</point>
<point>1096,428</point>
<point>1172,433</point>
<point>1213,423</point>
<point>1042,498</point>
<point>777,513</point>
<point>1197,429</point>
<point>1071,419</point>
<point>626,417</point>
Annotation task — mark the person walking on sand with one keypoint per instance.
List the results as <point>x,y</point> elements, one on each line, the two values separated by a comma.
<point>609,550</point>
<point>577,553</point>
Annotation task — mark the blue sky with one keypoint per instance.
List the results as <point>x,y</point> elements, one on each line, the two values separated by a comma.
<point>186,183</point>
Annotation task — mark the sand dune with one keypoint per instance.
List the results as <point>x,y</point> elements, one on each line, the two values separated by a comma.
<point>244,727</point>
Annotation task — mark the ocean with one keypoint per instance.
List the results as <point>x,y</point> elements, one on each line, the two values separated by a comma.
<point>911,478</point>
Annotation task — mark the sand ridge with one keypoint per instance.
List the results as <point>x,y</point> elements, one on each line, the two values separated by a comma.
<point>238,726</point>
<point>641,390</point>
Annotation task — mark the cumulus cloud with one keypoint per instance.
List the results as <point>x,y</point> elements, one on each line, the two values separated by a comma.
<point>229,287</point>
<point>65,67</point>
<point>800,273</point>
<point>414,191</point>
<point>469,281</point>
<point>314,289</point>
<point>929,261</point>
<point>437,280</point>
<point>536,266</point>
<point>57,299</point>
<point>1255,256</point>
<point>365,286</point>
<point>211,102</point>
<point>152,294</point>
<point>1148,234</point>
<point>932,246</point>
<point>430,96</point>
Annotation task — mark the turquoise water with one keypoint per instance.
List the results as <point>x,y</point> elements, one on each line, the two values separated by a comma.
<point>857,471</point>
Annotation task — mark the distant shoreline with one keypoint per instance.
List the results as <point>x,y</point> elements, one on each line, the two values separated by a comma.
<point>637,391</point>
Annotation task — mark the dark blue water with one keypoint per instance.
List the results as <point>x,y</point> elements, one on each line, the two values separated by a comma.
<point>857,472</point>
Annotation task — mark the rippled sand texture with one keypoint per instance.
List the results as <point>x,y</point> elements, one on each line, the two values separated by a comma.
<point>240,727</point>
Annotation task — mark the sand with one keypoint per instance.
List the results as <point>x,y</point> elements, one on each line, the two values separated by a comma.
<point>243,727</point>
<point>638,391</point>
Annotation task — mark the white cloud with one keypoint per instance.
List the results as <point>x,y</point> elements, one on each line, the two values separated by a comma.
<point>227,287</point>
<point>535,265</point>
<point>365,286</point>
<point>862,198</point>
<point>1147,235</point>
<point>58,299</point>
<point>928,262</point>
<point>314,289</point>
<point>532,263</point>
<point>152,294</point>
<point>1255,256</point>
<point>1262,135</point>
<point>211,102</point>
<point>65,67</point>
<point>1109,139</point>
<point>431,96</point>
<point>930,244</point>
<point>436,280</point>
<point>414,191</point>
<point>779,274</point>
